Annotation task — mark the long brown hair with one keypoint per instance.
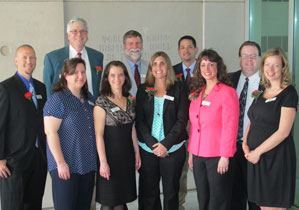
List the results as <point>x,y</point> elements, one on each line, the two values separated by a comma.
<point>105,85</point>
<point>170,78</point>
<point>197,81</point>
<point>69,68</point>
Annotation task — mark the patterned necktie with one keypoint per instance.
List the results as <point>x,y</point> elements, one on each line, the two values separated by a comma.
<point>188,77</point>
<point>137,76</point>
<point>31,90</point>
<point>242,101</point>
<point>79,55</point>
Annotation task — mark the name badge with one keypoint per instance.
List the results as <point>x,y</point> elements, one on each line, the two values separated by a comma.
<point>171,98</point>
<point>91,103</point>
<point>115,109</point>
<point>143,75</point>
<point>205,103</point>
<point>270,99</point>
<point>39,97</point>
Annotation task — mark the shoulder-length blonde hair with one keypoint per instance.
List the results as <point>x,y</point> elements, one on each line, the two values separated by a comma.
<point>286,78</point>
<point>170,78</point>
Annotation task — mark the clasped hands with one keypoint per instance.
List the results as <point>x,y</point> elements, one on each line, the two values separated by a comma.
<point>160,150</point>
<point>253,156</point>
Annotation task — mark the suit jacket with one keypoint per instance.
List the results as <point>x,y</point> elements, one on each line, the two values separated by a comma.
<point>54,61</point>
<point>20,122</point>
<point>144,67</point>
<point>175,116</point>
<point>235,76</point>
<point>214,125</point>
<point>178,69</point>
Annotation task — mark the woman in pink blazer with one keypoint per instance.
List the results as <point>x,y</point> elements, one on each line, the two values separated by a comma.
<point>214,116</point>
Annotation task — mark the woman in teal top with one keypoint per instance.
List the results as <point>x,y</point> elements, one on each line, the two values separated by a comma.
<point>161,119</point>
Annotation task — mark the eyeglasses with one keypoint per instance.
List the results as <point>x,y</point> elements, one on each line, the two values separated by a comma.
<point>245,56</point>
<point>76,31</point>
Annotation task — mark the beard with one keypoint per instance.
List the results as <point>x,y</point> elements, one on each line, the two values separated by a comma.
<point>134,54</point>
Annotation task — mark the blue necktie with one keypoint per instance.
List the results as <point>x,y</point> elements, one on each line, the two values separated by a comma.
<point>31,90</point>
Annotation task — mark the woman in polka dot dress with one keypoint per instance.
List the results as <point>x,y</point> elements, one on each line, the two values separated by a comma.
<point>71,149</point>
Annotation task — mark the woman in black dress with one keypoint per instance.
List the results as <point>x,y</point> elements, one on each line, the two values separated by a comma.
<point>268,144</point>
<point>116,139</point>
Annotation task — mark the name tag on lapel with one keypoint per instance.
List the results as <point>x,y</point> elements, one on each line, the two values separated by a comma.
<point>115,109</point>
<point>91,103</point>
<point>206,103</point>
<point>143,75</point>
<point>171,98</point>
<point>39,97</point>
<point>270,100</point>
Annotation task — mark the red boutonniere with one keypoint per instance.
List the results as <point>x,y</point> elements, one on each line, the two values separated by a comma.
<point>132,99</point>
<point>150,92</point>
<point>256,94</point>
<point>28,95</point>
<point>194,95</point>
<point>98,69</point>
<point>179,76</point>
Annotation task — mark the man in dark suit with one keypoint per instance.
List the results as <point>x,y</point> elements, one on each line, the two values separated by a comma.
<point>187,50</point>
<point>245,81</point>
<point>77,33</point>
<point>23,164</point>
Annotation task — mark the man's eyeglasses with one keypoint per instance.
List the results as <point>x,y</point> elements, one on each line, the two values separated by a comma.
<point>245,56</point>
<point>76,31</point>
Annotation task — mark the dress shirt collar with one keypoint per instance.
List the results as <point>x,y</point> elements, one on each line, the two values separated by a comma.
<point>132,65</point>
<point>25,81</point>
<point>191,67</point>
<point>74,53</point>
<point>253,79</point>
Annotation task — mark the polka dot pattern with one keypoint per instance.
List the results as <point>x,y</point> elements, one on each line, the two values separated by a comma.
<point>76,132</point>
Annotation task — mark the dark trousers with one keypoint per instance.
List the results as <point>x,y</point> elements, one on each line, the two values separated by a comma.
<point>239,197</point>
<point>213,189</point>
<point>73,194</point>
<point>24,189</point>
<point>152,168</point>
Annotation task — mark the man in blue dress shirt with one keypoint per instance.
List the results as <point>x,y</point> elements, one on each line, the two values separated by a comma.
<point>137,67</point>
<point>187,50</point>
<point>23,163</point>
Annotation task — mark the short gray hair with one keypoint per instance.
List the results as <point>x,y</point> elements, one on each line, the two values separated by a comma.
<point>80,21</point>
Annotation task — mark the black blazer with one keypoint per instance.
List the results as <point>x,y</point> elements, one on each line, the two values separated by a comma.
<point>234,77</point>
<point>175,116</point>
<point>178,69</point>
<point>20,122</point>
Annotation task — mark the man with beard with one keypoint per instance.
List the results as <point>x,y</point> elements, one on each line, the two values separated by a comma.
<point>137,68</point>
<point>77,34</point>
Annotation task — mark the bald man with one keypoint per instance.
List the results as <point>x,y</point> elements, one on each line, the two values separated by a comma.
<point>23,165</point>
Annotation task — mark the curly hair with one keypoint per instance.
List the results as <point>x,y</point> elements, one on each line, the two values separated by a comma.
<point>170,78</point>
<point>69,68</point>
<point>198,81</point>
<point>105,85</point>
<point>286,78</point>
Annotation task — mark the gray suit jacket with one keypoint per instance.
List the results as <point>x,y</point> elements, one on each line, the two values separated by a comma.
<point>144,67</point>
